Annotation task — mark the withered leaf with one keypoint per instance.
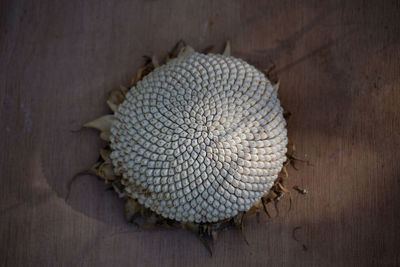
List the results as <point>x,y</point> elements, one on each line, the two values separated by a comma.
<point>118,190</point>
<point>282,188</point>
<point>192,227</point>
<point>132,207</point>
<point>255,209</point>
<point>154,61</point>
<point>214,235</point>
<point>269,69</point>
<point>276,86</point>
<point>227,51</point>
<point>102,124</point>
<point>151,221</point>
<point>105,154</point>
<point>123,89</point>
<point>287,114</point>
<point>176,49</point>
<point>186,51</point>
<point>271,195</point>
<point>115,99</point>
<point>141,72</point>
<point>105,171</point>
<point>283,173</point>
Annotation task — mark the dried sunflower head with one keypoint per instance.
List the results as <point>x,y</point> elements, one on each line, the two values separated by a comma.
<point>199,140</point>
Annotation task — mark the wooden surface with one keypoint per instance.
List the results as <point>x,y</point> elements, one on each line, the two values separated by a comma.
<point>338,62</point>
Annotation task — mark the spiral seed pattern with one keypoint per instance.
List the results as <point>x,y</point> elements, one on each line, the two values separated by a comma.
<point>200,138</point>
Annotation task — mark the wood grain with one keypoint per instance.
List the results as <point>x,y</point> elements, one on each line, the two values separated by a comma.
<point>338,62</point>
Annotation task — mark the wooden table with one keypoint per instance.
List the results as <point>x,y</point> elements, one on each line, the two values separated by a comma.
<point>338,62</point>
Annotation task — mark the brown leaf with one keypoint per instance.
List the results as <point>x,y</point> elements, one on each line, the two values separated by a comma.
<point>137,77</point>
<point>207,50</point>
<point>192,227</point>
<point>175,50</point>
<point>238,222</point>
<point>105,136</point>
<point>118,189</point>
<point>132,207</point>
<point>269,69</point>
<point>276,86</point>
<point>227,51</point>
<point>154,61</point>
<point>282,188</point>
<point>105,155</point>
<point>287,114</point>
<point>102,124</point>
<point>270,73</point>
<point>284,172</point>
<point>271,195</point>
<point>214,235</point>
<point>238,219</point>
<point>168,59</point>
<point>124,90</point>
<point>151,221</point>
<point>256,208</point>
<point>141,72</point>
<point>105,171</point>
<point>186,51</point>
<point>115,99</point>
<point>265,207</point>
